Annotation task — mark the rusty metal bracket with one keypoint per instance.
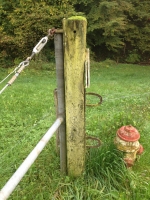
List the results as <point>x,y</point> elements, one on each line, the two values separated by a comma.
<point>53,31</point>
<point>97,95</point>
<point>99,142</point>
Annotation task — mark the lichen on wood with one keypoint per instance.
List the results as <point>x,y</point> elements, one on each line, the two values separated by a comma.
<point>74,57</point>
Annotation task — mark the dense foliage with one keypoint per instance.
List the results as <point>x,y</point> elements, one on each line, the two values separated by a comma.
<point>117,29</point>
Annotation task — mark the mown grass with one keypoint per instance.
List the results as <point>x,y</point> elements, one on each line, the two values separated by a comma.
<point>27,111</point>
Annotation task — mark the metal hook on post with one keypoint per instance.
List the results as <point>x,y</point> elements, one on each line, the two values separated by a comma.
<point>97,95</point>
<point>93,138</point>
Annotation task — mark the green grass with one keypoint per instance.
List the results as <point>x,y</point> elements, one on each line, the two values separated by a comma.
<point>27,111</point>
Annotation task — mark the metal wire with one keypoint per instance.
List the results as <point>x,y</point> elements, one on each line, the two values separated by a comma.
<point>8,75</point>
<point>25,63</point>
<point>26,164</point>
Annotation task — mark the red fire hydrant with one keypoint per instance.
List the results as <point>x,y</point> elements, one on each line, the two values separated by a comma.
<point>127,141</point>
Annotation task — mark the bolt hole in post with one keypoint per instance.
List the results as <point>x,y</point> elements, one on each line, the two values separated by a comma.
<point>74,31</point>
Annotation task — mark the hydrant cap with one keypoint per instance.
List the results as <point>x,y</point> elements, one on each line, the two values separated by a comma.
<point>128,133</point>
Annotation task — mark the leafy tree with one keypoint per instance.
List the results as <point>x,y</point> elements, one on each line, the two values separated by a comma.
<point>106,24</point>
<point>138,31</point>
<point>118,28</point>
<point>23,23</point>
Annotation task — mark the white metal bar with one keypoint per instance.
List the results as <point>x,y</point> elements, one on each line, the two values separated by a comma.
<point>2,90</point>
<point>21,171</point>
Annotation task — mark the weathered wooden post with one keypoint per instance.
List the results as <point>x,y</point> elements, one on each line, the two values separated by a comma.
<point>74,33</point>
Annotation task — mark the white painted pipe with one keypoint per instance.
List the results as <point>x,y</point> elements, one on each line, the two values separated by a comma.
<point>2,90</point>
<point>21,171</point>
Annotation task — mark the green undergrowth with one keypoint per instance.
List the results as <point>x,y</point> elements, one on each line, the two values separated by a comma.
<point>27,111</point>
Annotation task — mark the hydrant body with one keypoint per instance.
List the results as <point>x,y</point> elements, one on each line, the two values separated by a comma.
<point>127,141</point>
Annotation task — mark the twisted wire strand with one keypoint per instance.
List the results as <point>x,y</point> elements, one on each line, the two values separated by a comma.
<point>25,63</point>
<point>7,76</point>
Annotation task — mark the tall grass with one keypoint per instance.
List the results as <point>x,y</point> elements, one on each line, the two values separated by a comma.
<point>27,111</point>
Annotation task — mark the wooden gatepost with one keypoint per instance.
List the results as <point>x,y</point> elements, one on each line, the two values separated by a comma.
<point>74,41</point>
<point>70,54</point>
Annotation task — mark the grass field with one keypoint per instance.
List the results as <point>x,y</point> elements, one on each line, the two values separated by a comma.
<point>27,111</point>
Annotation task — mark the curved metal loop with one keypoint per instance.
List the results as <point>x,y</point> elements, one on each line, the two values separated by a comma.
<point>99,142</point>
<point>97,95</point>
<point>23,63</point>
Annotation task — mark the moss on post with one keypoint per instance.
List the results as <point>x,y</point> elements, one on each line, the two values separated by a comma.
<point>74,29</point>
